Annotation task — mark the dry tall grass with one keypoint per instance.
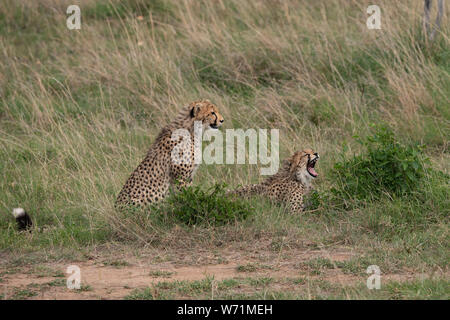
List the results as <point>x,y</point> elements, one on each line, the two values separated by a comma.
<point>78,109</point>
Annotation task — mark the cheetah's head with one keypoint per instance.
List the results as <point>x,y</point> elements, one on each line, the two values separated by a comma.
<point>207,113</point>
<point>302,164</point>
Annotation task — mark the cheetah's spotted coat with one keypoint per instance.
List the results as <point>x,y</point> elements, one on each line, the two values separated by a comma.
<point>291,182</point>
<point>151,180</point>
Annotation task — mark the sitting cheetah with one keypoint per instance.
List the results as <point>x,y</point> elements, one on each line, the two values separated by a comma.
<point>291,182</point>
<point>151,180</point>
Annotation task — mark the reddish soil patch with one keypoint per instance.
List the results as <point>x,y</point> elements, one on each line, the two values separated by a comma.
<point>106,281</point>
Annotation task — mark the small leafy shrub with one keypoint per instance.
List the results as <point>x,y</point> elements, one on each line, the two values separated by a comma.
<point>315,200</point>
<point>193,206</point>
<point>386,166</point>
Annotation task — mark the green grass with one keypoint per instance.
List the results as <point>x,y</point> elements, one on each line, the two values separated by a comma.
<point>167,289</point>
<point>23,294</point>
<point>194,206</point>
<point>43,271</point>
<point>304,289</point>
<point>427,289</point>
<point>116,263</point>
<point>386,167</point>
<point>57,283</point>
<point>320,263</point>
<point>161,274</point>
<point>79,109</point>
<point>143,294</point>
<point>84,287</point>
<point>247,268</point>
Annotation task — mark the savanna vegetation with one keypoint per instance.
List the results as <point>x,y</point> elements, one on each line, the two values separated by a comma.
<point>79,109</point>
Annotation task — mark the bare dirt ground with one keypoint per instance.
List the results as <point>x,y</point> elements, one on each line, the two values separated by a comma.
<point>115,274</point>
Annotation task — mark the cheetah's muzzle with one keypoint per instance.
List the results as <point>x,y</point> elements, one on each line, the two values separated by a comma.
<point>310,166</point>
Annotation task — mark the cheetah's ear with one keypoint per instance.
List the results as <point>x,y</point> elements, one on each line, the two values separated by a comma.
<point>194,111</point>
<point>294,161</point>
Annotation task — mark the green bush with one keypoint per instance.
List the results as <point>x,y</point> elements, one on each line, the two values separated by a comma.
<point>387,166</point>
<point>193,206</point>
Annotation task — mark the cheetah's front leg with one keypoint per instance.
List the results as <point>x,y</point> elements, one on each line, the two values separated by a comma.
<point>181,184</point>
<point>181,175</point>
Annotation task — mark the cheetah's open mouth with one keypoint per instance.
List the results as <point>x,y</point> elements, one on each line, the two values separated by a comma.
<point>310,167</point>
<point>214,126</point>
